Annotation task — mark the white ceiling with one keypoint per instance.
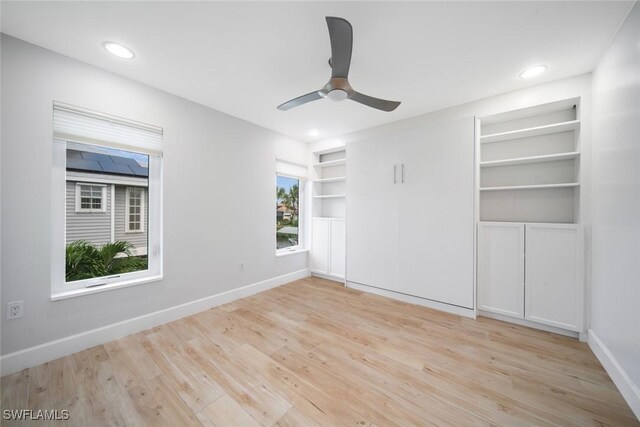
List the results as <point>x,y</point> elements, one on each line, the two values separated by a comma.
<point>246,58</point>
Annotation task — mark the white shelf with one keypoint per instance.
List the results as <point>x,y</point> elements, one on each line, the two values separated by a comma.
<point>330,196</point>
<point>330,163</point>
<point>336,179</point>
<point>531,187</point>
<point>531,159</point>
<point>535,131</point>
<point>329,218</point>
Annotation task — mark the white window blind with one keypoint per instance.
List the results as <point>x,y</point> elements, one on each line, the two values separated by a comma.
<point>79,125</point>
<point>289,168</point>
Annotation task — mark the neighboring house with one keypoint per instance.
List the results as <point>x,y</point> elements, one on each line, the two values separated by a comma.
<point>283,213</point>
<point>106,199</point>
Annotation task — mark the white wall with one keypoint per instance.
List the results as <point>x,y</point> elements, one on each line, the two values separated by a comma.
<point>616,200</point>
<point>218,196</point>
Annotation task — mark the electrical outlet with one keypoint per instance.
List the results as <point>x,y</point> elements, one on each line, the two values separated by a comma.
<point>15,309</point>
<point>242,266</point>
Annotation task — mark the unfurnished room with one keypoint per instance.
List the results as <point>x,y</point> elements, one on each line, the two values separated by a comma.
<point>320,213</point>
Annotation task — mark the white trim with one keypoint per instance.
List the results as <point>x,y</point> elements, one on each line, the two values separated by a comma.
<point>285,252</point>
<point>629,390</point>
<point>106,179</point>
<point>453,309</point>
<point>332,277</point>
<point>88,290</point>
<point>113,213</point>
<point>528,323</point>
<point>103,198</point>
<point>29,357</point>
<point>127,201</point>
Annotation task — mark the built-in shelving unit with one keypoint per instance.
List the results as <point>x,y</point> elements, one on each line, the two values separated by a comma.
<point>330,163</point>
<point>529,239</point>
<point>530,159</point>
<point>530,187</point>
<point>328,208</point>
<point>529,132</point>
<point>336,179</point>
<point>529,164</point>
<point>328,183</point>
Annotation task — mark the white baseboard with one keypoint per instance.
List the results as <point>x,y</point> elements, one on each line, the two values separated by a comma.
<point>328,277</point>
<point>529,324</point>
<point>453,309</point>
<point>628,389</point>
<point>33,356</point>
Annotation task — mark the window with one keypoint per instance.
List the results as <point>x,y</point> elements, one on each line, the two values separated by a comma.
<point>134,210</point>
<point>90,198</point>
<point>107,229</point>
<point>288,215</point>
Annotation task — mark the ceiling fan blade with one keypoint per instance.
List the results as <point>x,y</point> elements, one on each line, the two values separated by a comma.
<point>380,104</point>
<point>313,96</point>
<point>341,35</point>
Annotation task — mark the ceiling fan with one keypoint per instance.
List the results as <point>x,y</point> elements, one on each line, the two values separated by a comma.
<point>338,87</point>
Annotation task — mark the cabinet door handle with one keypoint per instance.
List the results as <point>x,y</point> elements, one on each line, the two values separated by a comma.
<point>394,173</point>
<point>403,173</point>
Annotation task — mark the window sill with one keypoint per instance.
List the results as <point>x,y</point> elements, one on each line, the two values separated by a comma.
<point>287,253</point>
<point>112,286</point>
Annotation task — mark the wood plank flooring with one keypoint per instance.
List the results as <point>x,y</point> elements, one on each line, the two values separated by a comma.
<point>313,353</point>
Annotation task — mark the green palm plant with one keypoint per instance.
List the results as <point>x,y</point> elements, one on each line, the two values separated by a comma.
<point>85,261</point>
<point>289,199</point>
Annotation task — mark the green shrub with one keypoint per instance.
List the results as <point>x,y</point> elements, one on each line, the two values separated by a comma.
<point>86,261</point>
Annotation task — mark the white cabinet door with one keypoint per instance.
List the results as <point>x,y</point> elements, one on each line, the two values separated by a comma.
<point>337,248</point>
<point>554,293</point>
<point>319,256</point>
<point>437,228</point>
<point>372,212</point>
<point>501,268</point>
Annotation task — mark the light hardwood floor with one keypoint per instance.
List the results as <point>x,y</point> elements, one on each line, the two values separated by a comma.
<point>314,353</point>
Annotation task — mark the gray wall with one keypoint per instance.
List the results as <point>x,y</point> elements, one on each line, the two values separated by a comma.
<point>616,198</point>
<point>218,177</point>
<point>94,227</point>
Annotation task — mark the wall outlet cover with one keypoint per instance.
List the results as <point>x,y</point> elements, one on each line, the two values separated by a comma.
<point>15,309</point>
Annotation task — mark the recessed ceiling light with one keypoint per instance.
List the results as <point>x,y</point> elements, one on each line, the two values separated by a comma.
<point>314,132</point>
<point>118,50</point>
<point>533,71</point>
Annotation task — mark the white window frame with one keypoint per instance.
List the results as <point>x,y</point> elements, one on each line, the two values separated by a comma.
<point>127,205</point>
<point>103,202</point>
<point>60,289</point>
<point>300,247</point>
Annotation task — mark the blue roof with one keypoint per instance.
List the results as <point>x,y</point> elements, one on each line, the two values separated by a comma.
<point>84,161</point>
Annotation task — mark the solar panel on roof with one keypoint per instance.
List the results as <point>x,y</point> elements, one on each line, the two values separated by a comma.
<point>85,165</point>
<point>111,167</point>
<point>123,160</point>
<point>103,163</point>
<point>91,156</point>
<point>139,170</point>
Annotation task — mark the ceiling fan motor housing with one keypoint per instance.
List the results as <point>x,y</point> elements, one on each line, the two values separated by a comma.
<point>338,89</point>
